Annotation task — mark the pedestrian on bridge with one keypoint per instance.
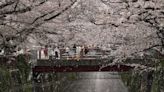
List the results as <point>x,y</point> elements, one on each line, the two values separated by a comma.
<point>74,48</point>
<point>19,51</point>
<point>2,52</point>
<point>41,53</point>
<point>46,52</point>
<point>57,53</point>
<point>78,52</point>
<point>67,51</point>
<point>86,50</point>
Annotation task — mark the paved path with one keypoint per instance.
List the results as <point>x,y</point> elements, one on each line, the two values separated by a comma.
<point>97,82</point>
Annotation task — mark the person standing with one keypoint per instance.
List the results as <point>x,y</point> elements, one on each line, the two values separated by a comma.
<point>19,51</point>
<point>57,53</point>
<point>2,52</point>
<point>82,51</point>
<point>42,54</point>
<point>39,53</point>
<point>67,51</point>
<point>78,52</point>
<point>50,51</point>
<point>86,50</point>
<point>46,52</point>
<point>74,48</point>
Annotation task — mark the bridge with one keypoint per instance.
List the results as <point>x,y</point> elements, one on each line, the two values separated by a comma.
<point>88,65</point>
<point>67,63</point>
<point>85,63</point>
<point>91,62</point>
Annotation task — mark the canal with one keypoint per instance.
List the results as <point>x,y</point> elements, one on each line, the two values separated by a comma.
<point>81,82</point>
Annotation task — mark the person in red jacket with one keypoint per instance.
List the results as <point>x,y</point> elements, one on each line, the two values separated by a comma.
<point>46,52</point>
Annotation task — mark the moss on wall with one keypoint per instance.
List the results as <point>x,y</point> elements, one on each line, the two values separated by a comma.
<point>137,81</point>
<point>9,78</point>
<point>5,79</point>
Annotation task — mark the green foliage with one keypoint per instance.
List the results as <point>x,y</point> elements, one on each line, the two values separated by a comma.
<point>162,64</point>
<point>72,76</point>
<point>5,79</point>
<point>126,77</point>
<point>132,81</point>
<point>27,87</point>
<point>158,78</point>
<point>155,86</point>
<point>137,83</point>
<point>8,80</point>
<point>23,67</point>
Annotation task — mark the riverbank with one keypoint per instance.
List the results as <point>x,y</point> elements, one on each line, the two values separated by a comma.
<point>19,79</point>
<point>144,80</point>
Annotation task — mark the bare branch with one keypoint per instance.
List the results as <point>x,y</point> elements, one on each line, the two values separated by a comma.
<point>16,11</point>
<point>61,12</point>
<point>7,4</point>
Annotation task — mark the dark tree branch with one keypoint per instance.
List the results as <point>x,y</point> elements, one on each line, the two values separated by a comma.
<point>152,47</point>
<point>16,5</point>
<point>112,24</point>
<point>9,26</point>
<point>61,12</point>
<point>16,11</point>
<point>23,10</point>
<point>50,32</point>
<point>42,16</point>
<point>7,4</point>
<point>157,45</point>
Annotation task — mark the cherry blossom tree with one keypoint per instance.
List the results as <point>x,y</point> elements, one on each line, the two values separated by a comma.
<point>130,26</point>
<point>133,26</point>
<point>20,19</point>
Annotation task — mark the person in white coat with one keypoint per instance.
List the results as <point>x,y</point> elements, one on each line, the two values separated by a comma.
<point>19,51</point>
<point>2,52</point>
<point>67,51</point>
<point>41,53</point>
<point>78,52</point>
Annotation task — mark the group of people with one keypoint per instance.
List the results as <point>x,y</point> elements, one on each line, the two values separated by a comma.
<point>48,52</point>
<point>77,51</point>
<point>16,52</point>
<point>55,52</point>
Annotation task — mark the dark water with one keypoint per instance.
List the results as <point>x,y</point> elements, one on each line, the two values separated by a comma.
<point>82,82</point>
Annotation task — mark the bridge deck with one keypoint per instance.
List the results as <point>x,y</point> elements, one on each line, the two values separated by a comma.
<point>82,65</point>
<point>81,68</point>
<point>71,62</point>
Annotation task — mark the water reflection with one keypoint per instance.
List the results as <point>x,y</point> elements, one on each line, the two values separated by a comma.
<point>81,82</point>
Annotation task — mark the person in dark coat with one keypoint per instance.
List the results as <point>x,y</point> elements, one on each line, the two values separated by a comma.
<point>74,48</point>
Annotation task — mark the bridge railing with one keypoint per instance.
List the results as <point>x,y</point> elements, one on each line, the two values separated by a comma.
<point>93,57</point>
<point>74,62</point>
